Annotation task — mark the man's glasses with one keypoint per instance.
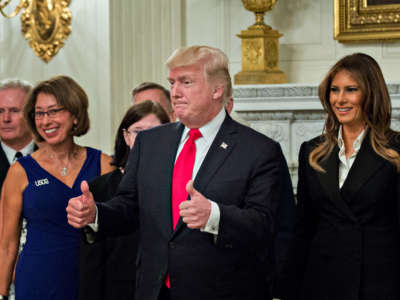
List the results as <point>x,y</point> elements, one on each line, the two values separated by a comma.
<point>51,113</point>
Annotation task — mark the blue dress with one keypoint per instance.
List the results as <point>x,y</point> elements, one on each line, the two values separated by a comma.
<point>48,266</point>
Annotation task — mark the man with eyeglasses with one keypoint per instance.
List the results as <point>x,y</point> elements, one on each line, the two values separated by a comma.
<point>15,136</point>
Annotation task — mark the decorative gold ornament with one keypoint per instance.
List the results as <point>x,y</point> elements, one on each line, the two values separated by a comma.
<point>359,20</point>
<point>260,48</point>
<point>44,23</point>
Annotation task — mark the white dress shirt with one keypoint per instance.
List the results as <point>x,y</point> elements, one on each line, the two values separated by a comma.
<point>344,162</point>
<point>203,144</point>
<point>10,152</point>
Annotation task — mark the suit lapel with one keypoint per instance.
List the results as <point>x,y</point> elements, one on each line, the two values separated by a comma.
<point>367,162</point>
<point>169,150</point>
<point>220,149</point>
<point>330,181</point>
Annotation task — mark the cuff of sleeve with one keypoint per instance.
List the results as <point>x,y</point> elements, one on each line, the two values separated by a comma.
<point>95,225</point>
<point>91,229</point>
<point>212,225</point>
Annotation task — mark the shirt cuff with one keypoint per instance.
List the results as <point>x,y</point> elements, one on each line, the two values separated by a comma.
<point>95,225</point>
<point>212,225</point>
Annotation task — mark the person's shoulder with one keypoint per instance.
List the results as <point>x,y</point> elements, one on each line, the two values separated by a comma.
<point>253,135</point>
<point>162,129</point>
<point>16,176</point>
<point>309,145</point>
<point>315,141</point>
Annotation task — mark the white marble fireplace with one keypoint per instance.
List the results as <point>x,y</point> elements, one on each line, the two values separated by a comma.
<point>291,114</point>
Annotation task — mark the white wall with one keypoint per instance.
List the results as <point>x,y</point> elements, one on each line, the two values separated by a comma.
<point>114,46</point>
<point>143,35</point>
<point>85,57</point>
<point>307,48</point>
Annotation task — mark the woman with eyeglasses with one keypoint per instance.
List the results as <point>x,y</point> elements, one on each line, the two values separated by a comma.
<point>38,188</point>
<point>108,267</point>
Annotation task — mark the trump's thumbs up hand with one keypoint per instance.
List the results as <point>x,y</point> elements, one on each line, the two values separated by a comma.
<point>196,211</point>
<point>81,210</point>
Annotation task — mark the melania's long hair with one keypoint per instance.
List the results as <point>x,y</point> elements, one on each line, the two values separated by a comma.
<point>376,109</point>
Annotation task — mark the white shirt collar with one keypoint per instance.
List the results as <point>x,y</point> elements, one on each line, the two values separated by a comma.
<point>356,144</point>
<point>10,152</point>
<point>209,130</point>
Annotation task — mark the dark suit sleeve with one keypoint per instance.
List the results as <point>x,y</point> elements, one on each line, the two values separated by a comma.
<point>284,236</point>
<point>120,214</point>
<point>304,226</point>
<point>252,224</point>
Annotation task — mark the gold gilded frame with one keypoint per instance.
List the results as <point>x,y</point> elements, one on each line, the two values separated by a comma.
<point>356,20</point>
<point>44,23</point>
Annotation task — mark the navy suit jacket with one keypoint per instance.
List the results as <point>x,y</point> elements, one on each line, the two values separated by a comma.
<point>5,165</point>
<point>243,179</point>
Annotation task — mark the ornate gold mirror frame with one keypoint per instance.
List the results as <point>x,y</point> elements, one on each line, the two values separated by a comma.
<point>44,23</point>
<point>359,20</point>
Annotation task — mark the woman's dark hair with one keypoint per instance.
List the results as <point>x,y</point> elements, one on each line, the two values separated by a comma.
<point>133,115</point>
<point>69,94</point>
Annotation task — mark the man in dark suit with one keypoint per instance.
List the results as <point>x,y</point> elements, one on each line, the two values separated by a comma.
<point>15,135</point>
<point>215,244</point>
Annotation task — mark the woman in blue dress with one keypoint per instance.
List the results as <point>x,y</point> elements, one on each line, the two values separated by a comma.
<point>38,188</point>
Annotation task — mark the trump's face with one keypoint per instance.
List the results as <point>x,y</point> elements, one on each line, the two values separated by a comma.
<point>194,99</point>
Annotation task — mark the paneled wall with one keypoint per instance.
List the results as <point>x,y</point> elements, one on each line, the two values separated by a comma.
<point>307,48</point>
<point>143,35</point>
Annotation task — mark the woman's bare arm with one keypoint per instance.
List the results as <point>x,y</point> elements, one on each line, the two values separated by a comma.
<point>10,223</point>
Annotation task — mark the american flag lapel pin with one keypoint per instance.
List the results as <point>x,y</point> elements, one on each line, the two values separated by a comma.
<point>224,145</point>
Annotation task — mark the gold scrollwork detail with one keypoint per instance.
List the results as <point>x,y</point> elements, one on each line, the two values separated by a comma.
<point>46,25</point>
<point>253,51</point>
<point>356,20</point>
<point>361,14</point>
<point>272,58</point>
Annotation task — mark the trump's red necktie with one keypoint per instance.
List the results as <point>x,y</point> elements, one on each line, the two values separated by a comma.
<point>182,173</point>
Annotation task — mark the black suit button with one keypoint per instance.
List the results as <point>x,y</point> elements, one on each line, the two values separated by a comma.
<point>172,245</point>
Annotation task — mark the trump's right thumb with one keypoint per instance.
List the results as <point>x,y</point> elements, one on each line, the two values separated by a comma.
<point>85,189</point>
